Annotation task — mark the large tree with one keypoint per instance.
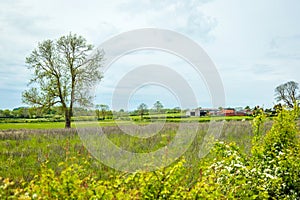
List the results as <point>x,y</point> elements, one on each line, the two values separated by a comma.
<point>288,93</point>
<point>63,70</point>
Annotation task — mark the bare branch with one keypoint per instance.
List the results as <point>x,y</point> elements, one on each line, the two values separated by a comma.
<point>287,93</point>
<point>63,71</point>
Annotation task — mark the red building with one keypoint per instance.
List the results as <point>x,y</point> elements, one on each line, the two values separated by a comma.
<point>228,112</point>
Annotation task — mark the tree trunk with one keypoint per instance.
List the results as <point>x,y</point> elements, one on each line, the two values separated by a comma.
<point>103,115</point>
<point>67,119</point>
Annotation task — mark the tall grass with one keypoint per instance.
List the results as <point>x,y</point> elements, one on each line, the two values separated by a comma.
<point>23,150</point>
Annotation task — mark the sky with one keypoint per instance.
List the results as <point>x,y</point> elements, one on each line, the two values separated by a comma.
<point>255,45</point>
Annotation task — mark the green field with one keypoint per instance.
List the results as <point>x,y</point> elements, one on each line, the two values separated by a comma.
<point>22,151</point>
<point>34,124</point>
<point>42,160</point>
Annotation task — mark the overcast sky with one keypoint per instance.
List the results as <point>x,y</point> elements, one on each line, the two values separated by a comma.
<point>255,45</point>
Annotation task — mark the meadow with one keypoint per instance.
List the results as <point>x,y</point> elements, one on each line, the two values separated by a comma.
<point>23,150</point>
<point>256,159</point>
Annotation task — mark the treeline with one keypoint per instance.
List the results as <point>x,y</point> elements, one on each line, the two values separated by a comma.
<point>38,112</point>
<point>155,111</point>
<point>103,112</point>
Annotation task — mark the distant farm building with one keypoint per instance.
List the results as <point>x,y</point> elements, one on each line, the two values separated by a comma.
<point>202,112</point>
<point>216,112</point>
<point>193,113</point>
<point>233,112</point>
<point>228,112</point>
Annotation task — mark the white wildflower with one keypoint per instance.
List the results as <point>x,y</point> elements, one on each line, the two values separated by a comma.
<point>238,165</point>
<point>270,176</point>
<point>34,196</point>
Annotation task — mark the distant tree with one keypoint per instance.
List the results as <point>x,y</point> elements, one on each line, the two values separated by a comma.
<point>20,112</point>
<point>62,73</point>
<point>176,110</point>
<point>158,106</point>
<point>247,108</point>
<point>142,109</point>
<point>35,112</point>
<point>98,111</point>
<point>1,113</point>
<point>288,93</point>
<point>58,110</point>
<point>172,110</point>
<point>120,113</point>
<point>101,108</point>
<point>15,113</point>
<point>7,113</point>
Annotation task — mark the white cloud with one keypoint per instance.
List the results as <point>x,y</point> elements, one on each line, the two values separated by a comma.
<point>285,47</point>
<point>254,44</point>
<point>130,64</point>
<point>183,16</point>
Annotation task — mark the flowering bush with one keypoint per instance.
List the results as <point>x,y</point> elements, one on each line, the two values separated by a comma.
<point>273,169</point>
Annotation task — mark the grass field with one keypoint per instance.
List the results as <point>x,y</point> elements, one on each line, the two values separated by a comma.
<point>44,160</point>
<point>22,151</point>
<point>35,125</point>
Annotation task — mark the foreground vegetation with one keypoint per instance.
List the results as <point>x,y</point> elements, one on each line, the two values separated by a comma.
<point>251,161</point>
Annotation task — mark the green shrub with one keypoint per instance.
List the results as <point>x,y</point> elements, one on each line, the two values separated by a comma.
<point>273,169</point>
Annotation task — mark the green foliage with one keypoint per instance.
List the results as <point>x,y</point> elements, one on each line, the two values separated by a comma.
<point>270,171</point>
<point>158,107</point>
<point>279,158</point>
<point>142,109</point>
<point>283,133</point>
<point>258,126</point>
<point>273,169</point>
<point>62,74</point>
<point>6,188</point>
